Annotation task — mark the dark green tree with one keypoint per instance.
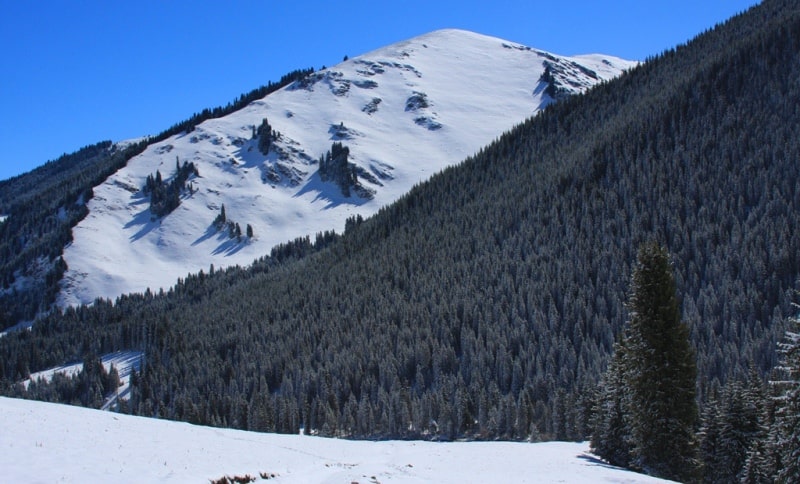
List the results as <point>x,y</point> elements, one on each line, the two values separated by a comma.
<point>265,136</point>
<point>221,219</point>
<point>709,440</point>
<point>334,166</point>
<point>646,410</point>
<point>660,370</point>
<point>758,468</point>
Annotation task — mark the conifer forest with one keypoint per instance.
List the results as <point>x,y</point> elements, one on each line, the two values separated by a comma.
<point>506,297</point>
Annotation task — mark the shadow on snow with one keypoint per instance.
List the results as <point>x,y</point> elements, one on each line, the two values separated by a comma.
<point>328,192</point>
<point>226,245</point>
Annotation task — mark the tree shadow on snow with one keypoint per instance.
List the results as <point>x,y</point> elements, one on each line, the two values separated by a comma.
<point>328,192</point>
<point>226,245</point>
<point>250,156</point>
<point>596,461</point>
<point>210,232</point>
<point>144,220</point>
<point>229,247</point>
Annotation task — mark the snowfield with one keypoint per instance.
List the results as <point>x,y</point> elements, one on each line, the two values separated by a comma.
<point>44,442</point>
<point>405,112</point>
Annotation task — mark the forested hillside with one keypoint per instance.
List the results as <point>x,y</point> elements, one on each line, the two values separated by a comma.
<point>42,206</point>
<point>485,303</point>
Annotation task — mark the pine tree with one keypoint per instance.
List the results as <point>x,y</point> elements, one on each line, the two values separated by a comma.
<point>610,439</point>
<point>730,429</point>
<point>757,468</point>
<point>658,371</point>
<point>709,440</point>
<point>333,166</point>
<point>265,136</point>
<point>762,465</point>
<point>787,413</point>
<point>221,219</point>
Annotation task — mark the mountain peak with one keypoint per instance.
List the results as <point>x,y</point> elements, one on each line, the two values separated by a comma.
<point>401,113</point>
<point>453,34</point>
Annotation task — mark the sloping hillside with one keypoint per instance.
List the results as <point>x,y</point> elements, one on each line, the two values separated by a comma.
<point>403,112</point>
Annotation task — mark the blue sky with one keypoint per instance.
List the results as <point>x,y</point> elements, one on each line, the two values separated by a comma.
<point>75,73</point>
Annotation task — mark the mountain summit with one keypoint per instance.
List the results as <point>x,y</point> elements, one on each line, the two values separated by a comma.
<point>341,142</point>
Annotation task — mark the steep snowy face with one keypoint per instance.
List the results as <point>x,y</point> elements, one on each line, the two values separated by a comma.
<point>401,114</point>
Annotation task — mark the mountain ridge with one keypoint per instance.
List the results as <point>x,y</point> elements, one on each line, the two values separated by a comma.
<point>404,112</point>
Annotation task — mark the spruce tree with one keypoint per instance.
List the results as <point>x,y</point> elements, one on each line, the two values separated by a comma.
<point>757,468</point>
<point>786,431</point>
<point>731,427</point>
<point>660,372</point>
<point>264,133</point>
<point>610,439</point>
<point>709,440</point>
<point>646,407</point>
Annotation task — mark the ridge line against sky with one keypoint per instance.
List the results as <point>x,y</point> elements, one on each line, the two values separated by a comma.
<point>73,74</point>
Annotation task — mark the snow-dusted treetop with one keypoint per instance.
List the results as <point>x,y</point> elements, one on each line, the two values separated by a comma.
<point>405,112</point>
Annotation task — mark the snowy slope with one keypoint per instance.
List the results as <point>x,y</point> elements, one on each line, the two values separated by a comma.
<point>405,112</point>
<point>43,442</point>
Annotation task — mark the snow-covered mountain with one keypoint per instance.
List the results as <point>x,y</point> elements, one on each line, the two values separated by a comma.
<point>45,442</point>
<point>405,112</point>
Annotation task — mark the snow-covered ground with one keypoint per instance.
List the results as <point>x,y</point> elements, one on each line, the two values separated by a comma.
<point>43,442</point>
<point>405,111</point>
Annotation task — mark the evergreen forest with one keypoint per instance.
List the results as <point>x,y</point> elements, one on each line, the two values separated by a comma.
<point>487,302</point>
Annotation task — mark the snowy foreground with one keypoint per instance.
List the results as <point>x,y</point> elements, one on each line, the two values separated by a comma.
<point>43,442</point>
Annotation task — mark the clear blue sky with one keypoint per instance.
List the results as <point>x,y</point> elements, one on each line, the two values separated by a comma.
<point>75,73</point>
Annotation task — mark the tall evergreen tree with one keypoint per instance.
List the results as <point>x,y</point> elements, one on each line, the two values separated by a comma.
<point>661,371</point>
<point>651,379</point>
